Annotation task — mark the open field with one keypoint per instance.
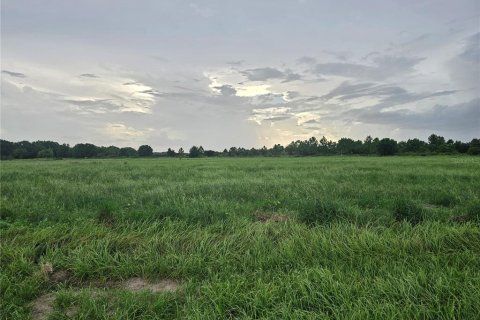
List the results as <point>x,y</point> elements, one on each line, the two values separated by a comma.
<point>219,238</point>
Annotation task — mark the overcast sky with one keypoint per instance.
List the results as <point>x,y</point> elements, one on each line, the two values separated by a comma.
<point>238,73</point>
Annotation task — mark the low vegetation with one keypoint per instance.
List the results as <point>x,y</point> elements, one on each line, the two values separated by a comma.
<point>311,147</point>
<point>250,238</point>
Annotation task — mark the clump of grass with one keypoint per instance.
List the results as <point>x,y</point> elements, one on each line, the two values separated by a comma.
<point>6,214</point>
<point>321,211</point>
<point>407,210</point>
<point>473,211</point>
<point>106,214</point>
<point>444,199</point>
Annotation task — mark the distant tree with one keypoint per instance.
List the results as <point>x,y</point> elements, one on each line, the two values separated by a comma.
<point>128,152</point>
<point>349,146</point>
<point>368,145</point>
<point>415,145</point>
<point>110,152</point>
<point>436,143</point>
<point>145,151</point>
<point>181,153</point>
<point>84,150</point>
<point>45,153</point>
<point>277,150</point>
<point>6,149</point>
<point>387,147</point>
<point>19,153</point>
<point>474,148</point>
<point>63,151</point>
<point>461,147</point>
<point>210,153</point>
<point>194,152</point>
<point>170,152</point>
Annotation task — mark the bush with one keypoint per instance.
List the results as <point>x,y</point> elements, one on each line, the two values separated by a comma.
<point>407,210</point>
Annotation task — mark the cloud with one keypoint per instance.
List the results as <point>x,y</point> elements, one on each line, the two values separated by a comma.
<point>458,117</point>
<point>94,106</point>
<point>264,74</point>
<point>236,62</point>
<point>388,95</point>
<point>202,11</point>
<point>14,74</point>
<point>339,55</point>
<point>307,60</point>
<point>120,130</point>
<point>89,75</point>
<point>226,90</point>
<point>464,69</point>
<point>384,68</point>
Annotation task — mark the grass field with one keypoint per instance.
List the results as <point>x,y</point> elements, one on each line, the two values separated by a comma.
<point>253,238</point>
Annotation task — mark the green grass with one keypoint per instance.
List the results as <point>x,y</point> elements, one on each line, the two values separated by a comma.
<point>366,237</point>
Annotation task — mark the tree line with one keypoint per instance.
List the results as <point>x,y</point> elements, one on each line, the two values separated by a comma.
<point>345,146</point>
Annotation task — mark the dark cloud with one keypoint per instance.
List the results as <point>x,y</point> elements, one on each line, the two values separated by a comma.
<point>226,90</point>
<point>460,117</point>
<point>131,83</point>
<point>313,121</point>
<point>385,67</point>
<point>388,95</point>
<point>14,74</point>
<point>264,74</point>
<point>292,94</point>
<point>465,67</point>
<point>89,75</point>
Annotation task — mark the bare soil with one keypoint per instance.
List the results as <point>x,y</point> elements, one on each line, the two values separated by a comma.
<point>43,306</point>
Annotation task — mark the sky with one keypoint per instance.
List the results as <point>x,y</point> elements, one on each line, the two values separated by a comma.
<point>238,73</point>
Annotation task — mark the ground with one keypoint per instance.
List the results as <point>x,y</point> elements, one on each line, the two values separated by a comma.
<point>276,238</point>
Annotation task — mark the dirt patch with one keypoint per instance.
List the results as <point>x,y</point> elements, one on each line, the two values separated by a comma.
<point>71,311</point>
<point>262,216</point>
<point>42,306</point>
<point>459,219</point>
<point>139,284</point>
<point>59,276</point>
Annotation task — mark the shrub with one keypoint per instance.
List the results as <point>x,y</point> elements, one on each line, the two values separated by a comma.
<point>407,210</point>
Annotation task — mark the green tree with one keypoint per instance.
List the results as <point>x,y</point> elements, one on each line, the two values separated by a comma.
<point>45,153</point>
<point>145,151</point>
<point>128,152</point>
<point>474,147</point>
<point>194,152</point>
<point>387,147</point>
<point>170,152</point>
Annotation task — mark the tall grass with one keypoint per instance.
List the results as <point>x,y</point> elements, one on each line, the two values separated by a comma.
<point>365,238</point>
